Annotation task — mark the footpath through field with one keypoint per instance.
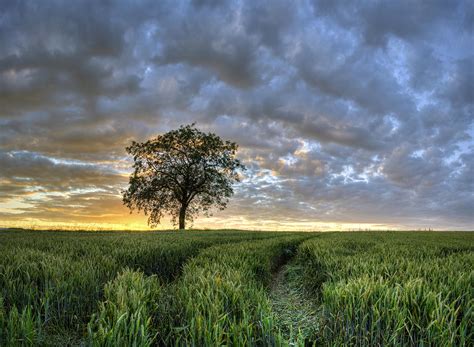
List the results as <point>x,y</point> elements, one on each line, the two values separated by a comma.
<point>222,298</point>
<point>297,315</point>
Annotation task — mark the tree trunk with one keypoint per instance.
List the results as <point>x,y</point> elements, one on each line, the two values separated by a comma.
<point>182,218</point>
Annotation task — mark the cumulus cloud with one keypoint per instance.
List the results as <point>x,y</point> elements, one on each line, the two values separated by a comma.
<point>345,112</point>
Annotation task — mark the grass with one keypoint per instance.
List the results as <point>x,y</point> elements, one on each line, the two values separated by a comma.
<point>124,318</point>
<point>392,289</point>
<point>58,278</point>
<point>221,298</point>
<point>236,288</point>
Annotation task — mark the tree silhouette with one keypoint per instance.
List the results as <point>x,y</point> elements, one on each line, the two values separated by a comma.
<point>182,172</point>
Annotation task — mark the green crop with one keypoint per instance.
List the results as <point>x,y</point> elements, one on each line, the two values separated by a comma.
<point>221,298</point>
<point>208,288</point>
<point>52,282</point>
<point>125,317</point>
<point>392,289</point>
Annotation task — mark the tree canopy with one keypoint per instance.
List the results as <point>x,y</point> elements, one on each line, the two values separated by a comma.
<point>181,173</point>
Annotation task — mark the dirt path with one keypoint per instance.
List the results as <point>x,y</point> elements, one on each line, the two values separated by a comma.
<point>296,314</point>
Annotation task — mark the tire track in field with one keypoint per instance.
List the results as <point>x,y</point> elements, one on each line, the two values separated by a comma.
<point>295,313</point>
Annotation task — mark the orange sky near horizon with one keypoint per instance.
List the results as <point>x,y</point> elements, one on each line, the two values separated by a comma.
<point>120,219</point>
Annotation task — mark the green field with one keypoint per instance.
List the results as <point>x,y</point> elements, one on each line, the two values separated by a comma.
<point>236,288</point>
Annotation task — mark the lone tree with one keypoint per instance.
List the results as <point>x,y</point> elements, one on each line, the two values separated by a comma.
<point>182,172</point>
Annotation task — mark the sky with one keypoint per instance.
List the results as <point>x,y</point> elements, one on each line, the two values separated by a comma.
<point>349,114</point>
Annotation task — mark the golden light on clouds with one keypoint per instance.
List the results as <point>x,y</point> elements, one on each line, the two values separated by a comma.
<point>205,223</point>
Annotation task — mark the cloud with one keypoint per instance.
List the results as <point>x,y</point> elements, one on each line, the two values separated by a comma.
<point>377,21</point>
<point>344,112</point>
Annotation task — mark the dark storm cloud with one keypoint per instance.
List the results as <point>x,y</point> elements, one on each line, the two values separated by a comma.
<point>345,112</point>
